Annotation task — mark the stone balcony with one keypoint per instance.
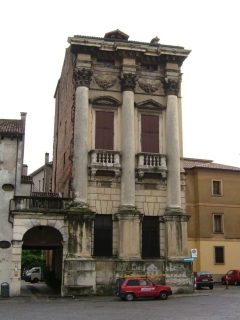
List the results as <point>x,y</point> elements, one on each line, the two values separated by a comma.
<point>38,204</point>
<point>151,163</point>
<point>104,160</point>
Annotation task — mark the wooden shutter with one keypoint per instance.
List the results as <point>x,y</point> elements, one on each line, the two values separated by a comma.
<point>104,130</point>
<point>150,133</point>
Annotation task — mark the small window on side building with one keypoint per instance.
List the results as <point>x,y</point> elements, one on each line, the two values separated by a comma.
<point>217,187</point>
<point>219,254</point>
<point>217,223</point>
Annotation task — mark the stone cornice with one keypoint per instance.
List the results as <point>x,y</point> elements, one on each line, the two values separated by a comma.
<point>125,48</point>
<point>83,77</point>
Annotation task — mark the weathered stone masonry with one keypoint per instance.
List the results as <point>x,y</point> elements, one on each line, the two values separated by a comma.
<point>129,79</point>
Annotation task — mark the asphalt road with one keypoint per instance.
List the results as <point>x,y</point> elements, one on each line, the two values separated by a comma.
<point>216,304</point>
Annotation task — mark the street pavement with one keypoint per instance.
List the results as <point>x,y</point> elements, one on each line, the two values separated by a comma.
<point>205,304</point>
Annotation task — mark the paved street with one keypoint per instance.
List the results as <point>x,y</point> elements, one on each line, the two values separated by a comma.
<point>217,304</point>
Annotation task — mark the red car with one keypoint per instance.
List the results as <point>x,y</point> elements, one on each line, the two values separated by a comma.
<point>130,288</point>
<point>203,280</point>
<point>233,277</point>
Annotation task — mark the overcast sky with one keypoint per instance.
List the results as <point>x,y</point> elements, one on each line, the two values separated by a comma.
<point>34,34</point>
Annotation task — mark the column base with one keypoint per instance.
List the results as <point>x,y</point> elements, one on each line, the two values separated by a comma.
<point>78,207</point>
<point>78,204</point>
<point>173,211</point>
<point>127,209</point>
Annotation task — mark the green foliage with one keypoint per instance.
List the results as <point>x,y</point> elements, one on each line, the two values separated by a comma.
<point>32,258</point>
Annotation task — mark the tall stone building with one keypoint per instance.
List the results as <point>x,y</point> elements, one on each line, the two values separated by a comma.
<point>117,151</point>
<point>13,182</point>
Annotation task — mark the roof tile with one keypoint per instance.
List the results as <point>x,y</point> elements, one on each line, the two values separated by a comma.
<point>11,127</point>
<point>189,163</point>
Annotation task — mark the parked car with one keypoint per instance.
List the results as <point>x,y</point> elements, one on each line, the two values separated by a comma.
<point>131,288</point>
<point>233,277</point>
<point>203,279</point>
<point>33,275</point>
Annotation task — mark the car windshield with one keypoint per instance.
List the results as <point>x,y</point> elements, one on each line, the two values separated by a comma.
<point>199,274</point>
<point>230,272</point>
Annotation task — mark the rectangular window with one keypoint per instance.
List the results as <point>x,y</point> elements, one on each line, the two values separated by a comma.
<point>104,132</point>
<point>217,223</point>
<point>219,254</point>
<point>150,133</point>
<point>217,187</point>
<point>103,235</point>
<point>150,237</point>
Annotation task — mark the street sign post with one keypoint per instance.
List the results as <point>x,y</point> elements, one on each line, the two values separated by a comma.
<point>188,259</point>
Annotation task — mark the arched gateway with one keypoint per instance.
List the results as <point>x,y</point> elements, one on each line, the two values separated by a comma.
<point>31,231</point>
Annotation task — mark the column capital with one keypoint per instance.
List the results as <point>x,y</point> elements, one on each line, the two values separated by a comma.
<point>172,86</point>
<point>83,77</point>
<point>128,81</point>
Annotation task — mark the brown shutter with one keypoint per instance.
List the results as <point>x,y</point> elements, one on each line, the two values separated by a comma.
<point>150,133</point>
<point>104,130</point>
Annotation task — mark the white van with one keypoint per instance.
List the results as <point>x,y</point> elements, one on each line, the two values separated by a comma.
<point>33,275</point>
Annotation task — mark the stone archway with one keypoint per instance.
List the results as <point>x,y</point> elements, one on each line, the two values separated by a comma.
<point>47,241</point>
<point>42,236</point>
<point>43,233</point>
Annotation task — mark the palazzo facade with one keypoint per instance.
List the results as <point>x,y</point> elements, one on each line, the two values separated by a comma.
<point>115,202</point>
<point>117,154</point>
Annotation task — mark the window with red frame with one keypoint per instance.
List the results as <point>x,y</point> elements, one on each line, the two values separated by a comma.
<point>150,133</point>
<point>104,132</point>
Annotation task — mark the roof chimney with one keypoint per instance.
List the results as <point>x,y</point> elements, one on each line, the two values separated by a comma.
<point>24,170</point>
<point>46,158</point>
<point>23,117</point>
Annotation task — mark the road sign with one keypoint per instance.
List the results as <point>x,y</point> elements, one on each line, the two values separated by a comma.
<point>194,253</point>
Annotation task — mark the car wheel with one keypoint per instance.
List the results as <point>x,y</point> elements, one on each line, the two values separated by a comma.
<point>210,287</point>
<point>198,287</point>
<point>35,280</point>
<point>163,295</point>
<point>129,297</point>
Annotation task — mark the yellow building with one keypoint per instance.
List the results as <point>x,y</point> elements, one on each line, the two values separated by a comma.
<point>213,202</point>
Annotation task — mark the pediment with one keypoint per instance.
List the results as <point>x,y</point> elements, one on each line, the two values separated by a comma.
<point>116,35</point>
<point>150,104</point>
<point>106,101</point>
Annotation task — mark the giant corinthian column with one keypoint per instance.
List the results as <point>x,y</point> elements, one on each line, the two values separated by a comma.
<point>128,83</point>
<point>173,148</point>
<point>128,217</point>
<point>80,161</point>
